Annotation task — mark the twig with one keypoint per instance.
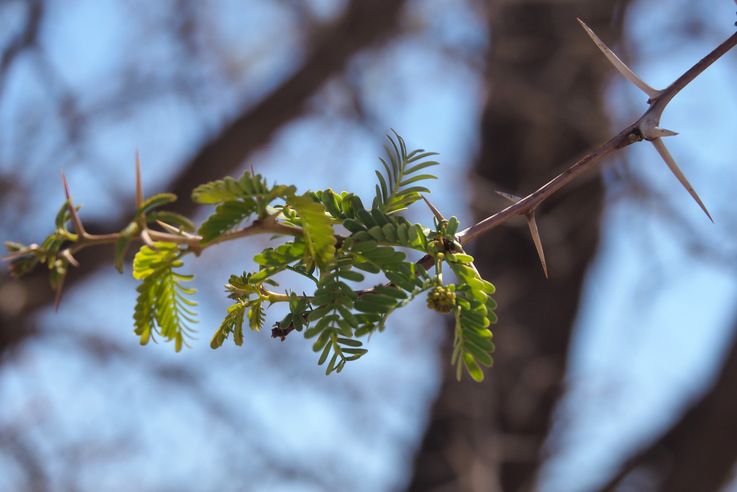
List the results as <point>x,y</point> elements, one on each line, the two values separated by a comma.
<point>645,128</point>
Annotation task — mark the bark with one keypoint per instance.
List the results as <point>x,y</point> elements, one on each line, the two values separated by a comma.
<point>698,451</point>
<point>545,107</point>
<point>362,25</point>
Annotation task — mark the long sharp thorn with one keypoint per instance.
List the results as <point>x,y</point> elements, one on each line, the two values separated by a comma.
<point>663,151</point>
<point>169,228</point>
<point>175,230</point>
<point>71,259</point>
<point>621,67</point>
<point>146,238</point>
<point>510,197</point>
<point>532,224</point>
<point>434,210</point>
<point>662,132</point>
<point>57,295</point>
<point>76,222</point>
<point>139,184</point>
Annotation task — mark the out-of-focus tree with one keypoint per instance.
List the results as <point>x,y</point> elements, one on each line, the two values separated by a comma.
<point>220,82</point>
<point>491,437</point>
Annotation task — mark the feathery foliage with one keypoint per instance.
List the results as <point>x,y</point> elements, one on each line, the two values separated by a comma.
<point>163,306</point>
<point>394,191</point>
<point>339,309</point>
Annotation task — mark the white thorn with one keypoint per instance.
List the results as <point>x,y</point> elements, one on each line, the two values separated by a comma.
<point>621,67</point>
<point>146,238</point>
<point>532,224</point>
<point>662,132</point>
<point>169,228</point>
<point>71,259</point>
<point>671,163</point>
<point>175,230</point>
<point>512,198</point>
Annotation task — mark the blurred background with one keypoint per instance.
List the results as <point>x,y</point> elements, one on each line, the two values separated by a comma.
<point>618,373</point>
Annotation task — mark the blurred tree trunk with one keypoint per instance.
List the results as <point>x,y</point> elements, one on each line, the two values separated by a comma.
<point>545,107</point>
<point>698,451</point>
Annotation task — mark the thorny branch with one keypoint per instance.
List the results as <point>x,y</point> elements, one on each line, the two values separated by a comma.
<point>644,128</point>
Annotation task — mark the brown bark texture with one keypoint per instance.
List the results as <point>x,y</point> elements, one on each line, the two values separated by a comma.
<point>544,108</point>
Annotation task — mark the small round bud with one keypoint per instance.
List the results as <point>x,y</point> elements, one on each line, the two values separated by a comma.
<point>441,299</point>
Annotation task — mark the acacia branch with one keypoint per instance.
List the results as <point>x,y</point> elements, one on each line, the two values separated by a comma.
<point>361,26</point>
<point>644,128</point>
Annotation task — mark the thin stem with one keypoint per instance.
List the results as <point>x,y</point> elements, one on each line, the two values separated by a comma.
<point>258,227</point>
<point>646,125</point>
<point>693,72</point>
<point>529,203</point>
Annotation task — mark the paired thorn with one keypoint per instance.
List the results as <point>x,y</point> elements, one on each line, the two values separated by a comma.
<point>671,163</point>
<point>434,210</point>
<point>147,240</point>
<point>57,296</point>
<point>139,184</point>
<point>76,221</point>
<point>175,230</point>
<point>619,65</point>
<point>654,133</point>
<point>508,196</point>
<point>71,259</point>
<point>658,132</point>
<point>534,232</point>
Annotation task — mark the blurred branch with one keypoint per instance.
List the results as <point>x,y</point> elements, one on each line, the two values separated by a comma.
<point>25,39</point>
<point>27,458</point>
<point>698,451</point>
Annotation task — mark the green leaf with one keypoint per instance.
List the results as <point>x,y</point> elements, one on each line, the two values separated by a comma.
<point>351,275</point>
<point>233,323</point>
<point>155,201</point>
<point>282,255</point>
<point>122,244</point>
<point>230,189</point>
<point>473,368</point>
<point>226,217</point>
<point>392,192</point>
<point>318,229</point>
<point>256,315</point>
<point>162,305</point>
<point>452,226</point>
